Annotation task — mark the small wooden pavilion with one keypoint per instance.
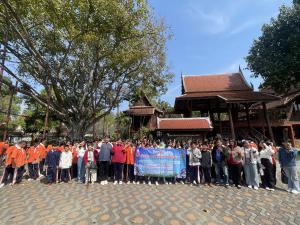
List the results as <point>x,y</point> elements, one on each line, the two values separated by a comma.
<point>143,114</point>
<point>222,95</point>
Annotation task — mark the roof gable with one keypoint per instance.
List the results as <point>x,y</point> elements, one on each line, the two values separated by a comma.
<point>196,123</point>
<point>215,83</point>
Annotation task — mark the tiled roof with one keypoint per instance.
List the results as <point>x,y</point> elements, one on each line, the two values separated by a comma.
<point>234,96</point>
<point>141,110</point>
<point>198,123</point>
<point>215,82</point>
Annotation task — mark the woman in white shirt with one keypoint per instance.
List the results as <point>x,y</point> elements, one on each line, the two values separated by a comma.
<point>65,164</point>
<point>265,156</point>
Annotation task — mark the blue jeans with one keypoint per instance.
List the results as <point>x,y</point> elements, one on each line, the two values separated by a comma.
<point>251,174</point>
<point>293,181</point>
<point>220,168</point>
<point>80,169</point>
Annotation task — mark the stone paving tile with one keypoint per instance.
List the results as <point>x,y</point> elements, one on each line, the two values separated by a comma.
<point>76,204</point>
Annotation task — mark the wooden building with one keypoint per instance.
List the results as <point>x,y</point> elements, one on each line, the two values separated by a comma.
<point>284,116</point>
<point>226,99</point>
<point>192,128</point>
<point>143,114</point>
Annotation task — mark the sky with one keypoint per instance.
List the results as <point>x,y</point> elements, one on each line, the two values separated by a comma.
<point>210,37</point>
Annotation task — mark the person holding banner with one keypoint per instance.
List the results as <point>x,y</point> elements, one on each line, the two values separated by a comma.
<point>195,156</point>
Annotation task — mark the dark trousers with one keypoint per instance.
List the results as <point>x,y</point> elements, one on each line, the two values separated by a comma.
<point>274,173</point>
<point>207,174</point>
<point>42,163</point>
<point>118,171</point>
<point>74,170</point>
<point>130,172</point>
<point>33,170</point>
<point>8,174</point>
<point>194,171</point>
<point>51,174</point>
<point>103,170</point>
<point>236,171</point>
<point>268,178</point>
<point>20,173</point>
<point>64,175</point>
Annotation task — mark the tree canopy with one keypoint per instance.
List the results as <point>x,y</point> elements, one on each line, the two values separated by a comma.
<point>87,55</point>
<point>275,55</point>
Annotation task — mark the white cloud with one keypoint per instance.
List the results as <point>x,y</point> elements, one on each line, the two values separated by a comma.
<point>244,26</point>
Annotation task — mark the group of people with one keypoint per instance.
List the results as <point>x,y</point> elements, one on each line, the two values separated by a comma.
<point>210,163</point>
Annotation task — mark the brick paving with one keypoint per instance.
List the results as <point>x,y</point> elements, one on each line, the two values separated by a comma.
<point>36,203</point>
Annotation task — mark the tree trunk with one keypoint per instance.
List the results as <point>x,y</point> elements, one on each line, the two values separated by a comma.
<point>77,130</point>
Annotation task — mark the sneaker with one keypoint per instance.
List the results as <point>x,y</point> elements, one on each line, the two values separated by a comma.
<point>93,182</point>
<point>105,182</point>
<point>116,182</point>
<point>295,192</point>
<point>2,185</point>
<point>267,188</point>
<point>144,182</point>
<point>149,183</point>
<point>181,182</point>
<point>128,182</point>
<point>271,189</point>
<point>249,186</point>
<point>167,183</point>
<point>255,188</point>
<point>102,182</point>
<point>30,179</point>
<point>156,183</point>
<point>289,190</point>
<point>194,182</point>
<point>137,182</point>
<point>133,182</point>
<point>120,182</point>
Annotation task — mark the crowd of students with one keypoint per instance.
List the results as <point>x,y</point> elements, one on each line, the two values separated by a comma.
<point>219,163</point>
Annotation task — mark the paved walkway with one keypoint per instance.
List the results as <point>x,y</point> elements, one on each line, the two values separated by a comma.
<point>36,203</point>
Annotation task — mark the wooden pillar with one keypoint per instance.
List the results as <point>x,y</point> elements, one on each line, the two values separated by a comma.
<point>292,135</point>
<point>248,118</point>
<point>268,122</point>
<point>220,123</point>
<point>231,121</point>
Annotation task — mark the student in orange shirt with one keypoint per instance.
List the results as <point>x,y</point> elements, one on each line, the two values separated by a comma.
<point>8,171</point>
<point>18,157</point>
<point>130,153</point>
<point>43,152</point>
<point>33,159</point>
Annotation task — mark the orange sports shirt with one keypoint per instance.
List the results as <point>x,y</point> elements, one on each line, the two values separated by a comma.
<point>18,156</point>
<point>33,155</point>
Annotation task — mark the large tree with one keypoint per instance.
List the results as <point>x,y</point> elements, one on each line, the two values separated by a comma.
<point>275,55</point>
<point>89,55</point>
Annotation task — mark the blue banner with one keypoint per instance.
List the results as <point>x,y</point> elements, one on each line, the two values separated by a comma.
<point>160,162</point>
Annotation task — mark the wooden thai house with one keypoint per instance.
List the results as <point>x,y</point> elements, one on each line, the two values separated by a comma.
<point>226,99</point>
<point>143,114</point>
<point>284,116</point>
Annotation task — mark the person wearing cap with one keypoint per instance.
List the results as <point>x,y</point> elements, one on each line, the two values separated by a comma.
<point>18,157</point>
<point>118,160</point>
<point>33,159</point>
<point>51,165</point>
<point>287,159</point>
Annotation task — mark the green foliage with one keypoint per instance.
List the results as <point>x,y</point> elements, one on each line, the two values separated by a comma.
<point>90,55</point>
<point>142,133</point>
<point>15,120</point>
<point>275,55</point>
